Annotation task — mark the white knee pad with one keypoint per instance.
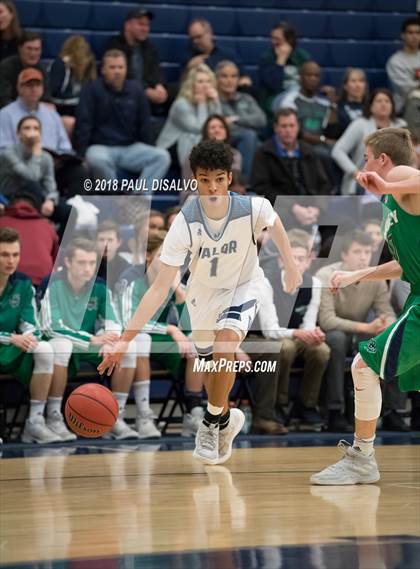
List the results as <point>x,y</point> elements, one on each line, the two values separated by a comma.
<point>367,392</point>
<point>143,343</point>
<point>130,356</point>
<point>63,349</point>
<point>43,358</point>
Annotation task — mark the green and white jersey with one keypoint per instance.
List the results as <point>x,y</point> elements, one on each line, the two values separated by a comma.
<point>402,233</point>
<point>77,315</point>
<point>18,313</point>
<point>131,289</point>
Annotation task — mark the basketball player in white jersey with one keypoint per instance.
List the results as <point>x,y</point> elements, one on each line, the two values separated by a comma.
<point>215,233</point>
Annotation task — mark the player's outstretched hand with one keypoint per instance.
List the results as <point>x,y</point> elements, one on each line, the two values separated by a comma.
<point>372,182</point>
<point>113,357</point>
<point>292,279</point>
<point>341,279</point>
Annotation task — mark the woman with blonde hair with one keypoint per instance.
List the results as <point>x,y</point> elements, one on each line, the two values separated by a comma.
<point>197,100</point>
<point>10,29</point>
<point>74,66</point>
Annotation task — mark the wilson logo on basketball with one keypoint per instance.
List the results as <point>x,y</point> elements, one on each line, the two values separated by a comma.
<point>75,422</point>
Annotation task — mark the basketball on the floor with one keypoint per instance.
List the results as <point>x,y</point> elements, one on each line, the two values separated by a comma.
<point>91,410</point>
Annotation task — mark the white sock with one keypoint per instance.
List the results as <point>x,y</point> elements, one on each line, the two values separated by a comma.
<point>122,400</point>
<point>213,410</point>
<point>364,445</point>
<point>142,396</point>
<point>53,404</point>
<point>36,408</point>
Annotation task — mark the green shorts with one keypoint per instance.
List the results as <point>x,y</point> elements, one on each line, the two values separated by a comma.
<point>396,351</point>
<point>16,363</point>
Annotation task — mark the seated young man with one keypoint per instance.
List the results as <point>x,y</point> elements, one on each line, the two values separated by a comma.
<point>344,318</point>
<point>74,307</point>
<point>160,340</point>
<point>293,320</point>
<point>112,265</point>
<point>22,354</point>
<point>216,232</point>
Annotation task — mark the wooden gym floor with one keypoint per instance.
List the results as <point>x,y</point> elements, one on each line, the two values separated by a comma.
<point>124,507</point>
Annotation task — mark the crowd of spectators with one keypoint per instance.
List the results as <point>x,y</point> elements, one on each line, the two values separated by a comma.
<point>295,140</point>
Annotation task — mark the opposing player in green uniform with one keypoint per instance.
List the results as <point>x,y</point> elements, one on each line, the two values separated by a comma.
<point>395,352</point>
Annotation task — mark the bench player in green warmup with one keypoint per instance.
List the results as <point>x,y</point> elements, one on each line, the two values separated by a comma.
<point>395,352</point>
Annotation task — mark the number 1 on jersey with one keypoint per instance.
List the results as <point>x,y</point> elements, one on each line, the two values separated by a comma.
<point>213,266</point>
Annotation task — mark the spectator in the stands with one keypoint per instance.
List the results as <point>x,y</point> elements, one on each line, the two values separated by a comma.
<point>112,122</point>
<point>284,166</point>
<point>74,66</point>
<point>197,100</point>
<point>343,315</point>
<point>352,98</point>
<point>112,265</point>
<point>69,171</point>
<point>156,222</point>
<point>29,55</point>
<point>241,112</point>
<point>380,251</point>
<point>348,152</point>
<point>403,67</point>
<point>22,353</point>
<point>205,50</point>
<point>292,319</point>
<point>27,168</point>
<point>170,215</point>
<point>317,113</point>
<point>143,62</point>
<point>279,65</point>
<point>10,29</point>
<point>217,128</point>
<point>37,255</point>
<point>147,223</point>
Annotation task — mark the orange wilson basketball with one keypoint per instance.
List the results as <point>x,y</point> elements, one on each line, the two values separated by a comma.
<point>91,410</point>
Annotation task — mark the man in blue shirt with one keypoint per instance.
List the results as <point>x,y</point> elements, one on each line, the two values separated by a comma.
<point>30,88</point>
<point>112,122</point>
<point>285,167</point>
<point>69,171</point>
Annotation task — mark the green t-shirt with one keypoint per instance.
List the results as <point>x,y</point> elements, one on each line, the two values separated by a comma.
<point>129,292</point>
<point>77,315</point>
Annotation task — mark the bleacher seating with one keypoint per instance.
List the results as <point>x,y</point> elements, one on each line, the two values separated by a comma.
<point>337,34</point>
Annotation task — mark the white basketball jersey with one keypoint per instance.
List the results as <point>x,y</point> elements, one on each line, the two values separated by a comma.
<point>225,257</point>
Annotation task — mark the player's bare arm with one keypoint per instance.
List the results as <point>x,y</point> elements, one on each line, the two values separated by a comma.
<point>150,303</point>
<point>400,181</point>
<point>292,276</point>
<point>341,279</point>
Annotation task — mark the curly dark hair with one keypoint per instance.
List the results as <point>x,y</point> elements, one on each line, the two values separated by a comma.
<point>211,155</point>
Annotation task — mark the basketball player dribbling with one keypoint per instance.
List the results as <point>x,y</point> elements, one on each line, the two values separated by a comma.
<point>396,351</point>
<point>216,233</point>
